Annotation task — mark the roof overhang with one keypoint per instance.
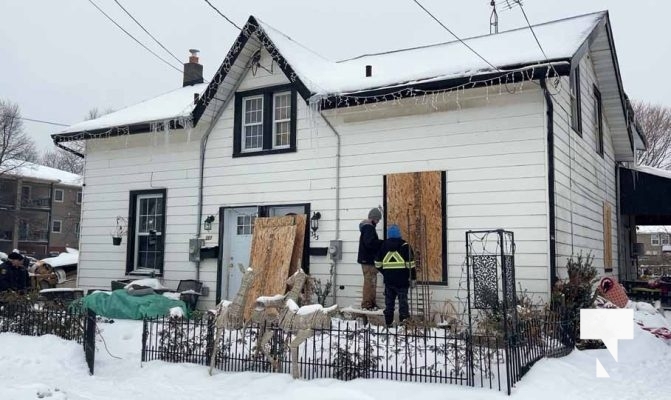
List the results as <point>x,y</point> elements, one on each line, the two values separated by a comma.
<point>645,195</point>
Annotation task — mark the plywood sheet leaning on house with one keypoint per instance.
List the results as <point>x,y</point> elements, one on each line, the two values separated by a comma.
<point>272,249</point>
<point>415,203</point>
<point>299,221</point>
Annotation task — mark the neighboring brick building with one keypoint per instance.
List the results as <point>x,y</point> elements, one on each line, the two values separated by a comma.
<point>656,243</point>
<point>40,209</point>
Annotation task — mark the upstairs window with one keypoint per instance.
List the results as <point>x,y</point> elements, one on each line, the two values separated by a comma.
<point>79,197</point>
<point>265,121</point>
<point>576,105</point>
<point>654,239</point>
<point>58,195</point>
<point>598,121</point>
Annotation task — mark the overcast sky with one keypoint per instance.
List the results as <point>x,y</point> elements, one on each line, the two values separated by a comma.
<point>59,59</point>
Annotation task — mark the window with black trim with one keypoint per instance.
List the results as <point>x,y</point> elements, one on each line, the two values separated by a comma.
<point>58,195</point>
<point>56,226</point>
<point>146,235</point>
<point>265,121</point>
<point>576,105</point>
<point>598,120</point>
<point>79,197</point>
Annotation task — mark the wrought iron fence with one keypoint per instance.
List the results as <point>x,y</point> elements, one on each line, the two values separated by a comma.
<point>350,349</point>
<point>36,320</point>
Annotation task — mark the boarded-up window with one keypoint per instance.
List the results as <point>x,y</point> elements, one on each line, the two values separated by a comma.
<point>607,238</point>
<point>416,203</point>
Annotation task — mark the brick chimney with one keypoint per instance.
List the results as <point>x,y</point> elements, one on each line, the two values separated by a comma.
<point>193,71</point>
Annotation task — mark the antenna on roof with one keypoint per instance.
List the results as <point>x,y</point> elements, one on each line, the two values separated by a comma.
<point>493,19</point>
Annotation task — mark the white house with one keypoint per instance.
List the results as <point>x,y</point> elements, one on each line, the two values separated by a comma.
<point>518,142</point>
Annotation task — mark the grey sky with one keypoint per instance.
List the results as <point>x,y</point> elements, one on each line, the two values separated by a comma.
<point>59,59</point>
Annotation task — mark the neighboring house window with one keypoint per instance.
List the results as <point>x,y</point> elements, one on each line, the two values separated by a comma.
<point>654,239</point>
<point>265,121</point>
<point>77,229</point>
<point>58,195</point>
<point>146,231</point>
<point>79,197</point>
<point>576,106</point>
<point>245,224</point>
<point>598,123</point>
<point>664,238</point>
<point>56,226</point>
<point>25,193</point>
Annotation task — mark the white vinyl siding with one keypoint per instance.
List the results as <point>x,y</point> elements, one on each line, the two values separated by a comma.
<point>584,179</point>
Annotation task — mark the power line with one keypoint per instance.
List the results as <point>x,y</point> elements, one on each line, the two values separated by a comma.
<point>547,60</point>
<point>43,122</point>
<point>453,34</point>
<point>132,37</point>
<point>220,13</point>
<point>147,32</point>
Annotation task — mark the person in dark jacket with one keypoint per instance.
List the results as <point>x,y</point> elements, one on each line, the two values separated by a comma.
<point>13,276</point>
<point>396,262</point>
<point>369,244</point>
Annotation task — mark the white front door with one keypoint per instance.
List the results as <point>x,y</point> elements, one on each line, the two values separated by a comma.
<point>237,246</point>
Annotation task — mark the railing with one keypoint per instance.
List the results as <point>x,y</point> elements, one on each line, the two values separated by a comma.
<point>36,320</point>
<point>6,235</point>
<point>34,236</point>
<point>35,203</point>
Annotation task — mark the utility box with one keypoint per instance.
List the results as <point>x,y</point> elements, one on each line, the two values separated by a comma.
<point>335,250</point>
<point>194,249</point>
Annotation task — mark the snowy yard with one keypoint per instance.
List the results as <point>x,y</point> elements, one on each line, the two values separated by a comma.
<point>53,368</point>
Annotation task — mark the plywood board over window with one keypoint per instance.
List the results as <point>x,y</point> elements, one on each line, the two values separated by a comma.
<point>607,237</point>
<point>415,202</point>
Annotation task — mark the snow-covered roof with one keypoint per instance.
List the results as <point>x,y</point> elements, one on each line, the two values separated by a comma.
<point>560,39</point>
<point>173,105</point>
<point>653,229</point>
<point>29,170</point>
<point>652,171</point>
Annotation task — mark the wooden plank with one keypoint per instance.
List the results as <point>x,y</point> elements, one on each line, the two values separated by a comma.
<point>299,220</point>
<point>414,203</point>
<point>272,249</point>
<point>607,238</point>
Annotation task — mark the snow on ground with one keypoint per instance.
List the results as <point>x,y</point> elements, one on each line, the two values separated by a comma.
<point>53,368</point>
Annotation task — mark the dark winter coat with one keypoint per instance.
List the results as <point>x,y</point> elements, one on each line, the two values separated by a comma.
<point>369,243</point>
<point>13,278</point>
<point>396,263</point>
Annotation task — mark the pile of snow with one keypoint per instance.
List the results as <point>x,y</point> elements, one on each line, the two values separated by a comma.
<point>52,367</point>
<point>148,282</point>
<point>172,295</point>
<point>70,257</point>
<point>176,312</point>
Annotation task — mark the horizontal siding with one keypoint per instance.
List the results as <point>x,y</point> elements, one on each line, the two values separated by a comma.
<point>584,180</point>
<point>493,149</point>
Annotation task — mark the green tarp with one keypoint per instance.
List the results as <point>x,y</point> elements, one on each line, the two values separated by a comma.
<point>119,304</point>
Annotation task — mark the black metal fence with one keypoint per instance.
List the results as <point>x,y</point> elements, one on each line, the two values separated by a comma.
<point>349,350</point>
<point>36,320</point>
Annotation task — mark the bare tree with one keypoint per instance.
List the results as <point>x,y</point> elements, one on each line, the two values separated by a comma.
<point>655,121</point>
<point>64,160</point>
<point>17,147</point>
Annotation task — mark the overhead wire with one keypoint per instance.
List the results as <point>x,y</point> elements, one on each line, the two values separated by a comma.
<point>222,15</point>
<point>42,121</point>
<point>453,34</point>
<point>147,32</point>
<point>133,37</point>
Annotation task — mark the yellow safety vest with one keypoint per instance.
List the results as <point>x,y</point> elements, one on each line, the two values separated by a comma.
<point>394,260</point>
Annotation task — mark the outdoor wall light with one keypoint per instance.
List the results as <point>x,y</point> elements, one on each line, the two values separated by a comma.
<point>314,224</point>
<point>208,223</point>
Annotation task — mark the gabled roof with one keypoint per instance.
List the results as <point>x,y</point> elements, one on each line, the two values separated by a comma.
<point>432,67</point>
<point>317,77</point>
<point>28,170</point>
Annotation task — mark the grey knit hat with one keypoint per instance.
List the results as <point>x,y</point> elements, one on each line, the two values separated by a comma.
<point>375,214</point>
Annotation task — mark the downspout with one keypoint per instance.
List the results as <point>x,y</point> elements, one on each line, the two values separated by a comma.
<point>551,182</point>
<point>201,171</point>
<point>337,199</point>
